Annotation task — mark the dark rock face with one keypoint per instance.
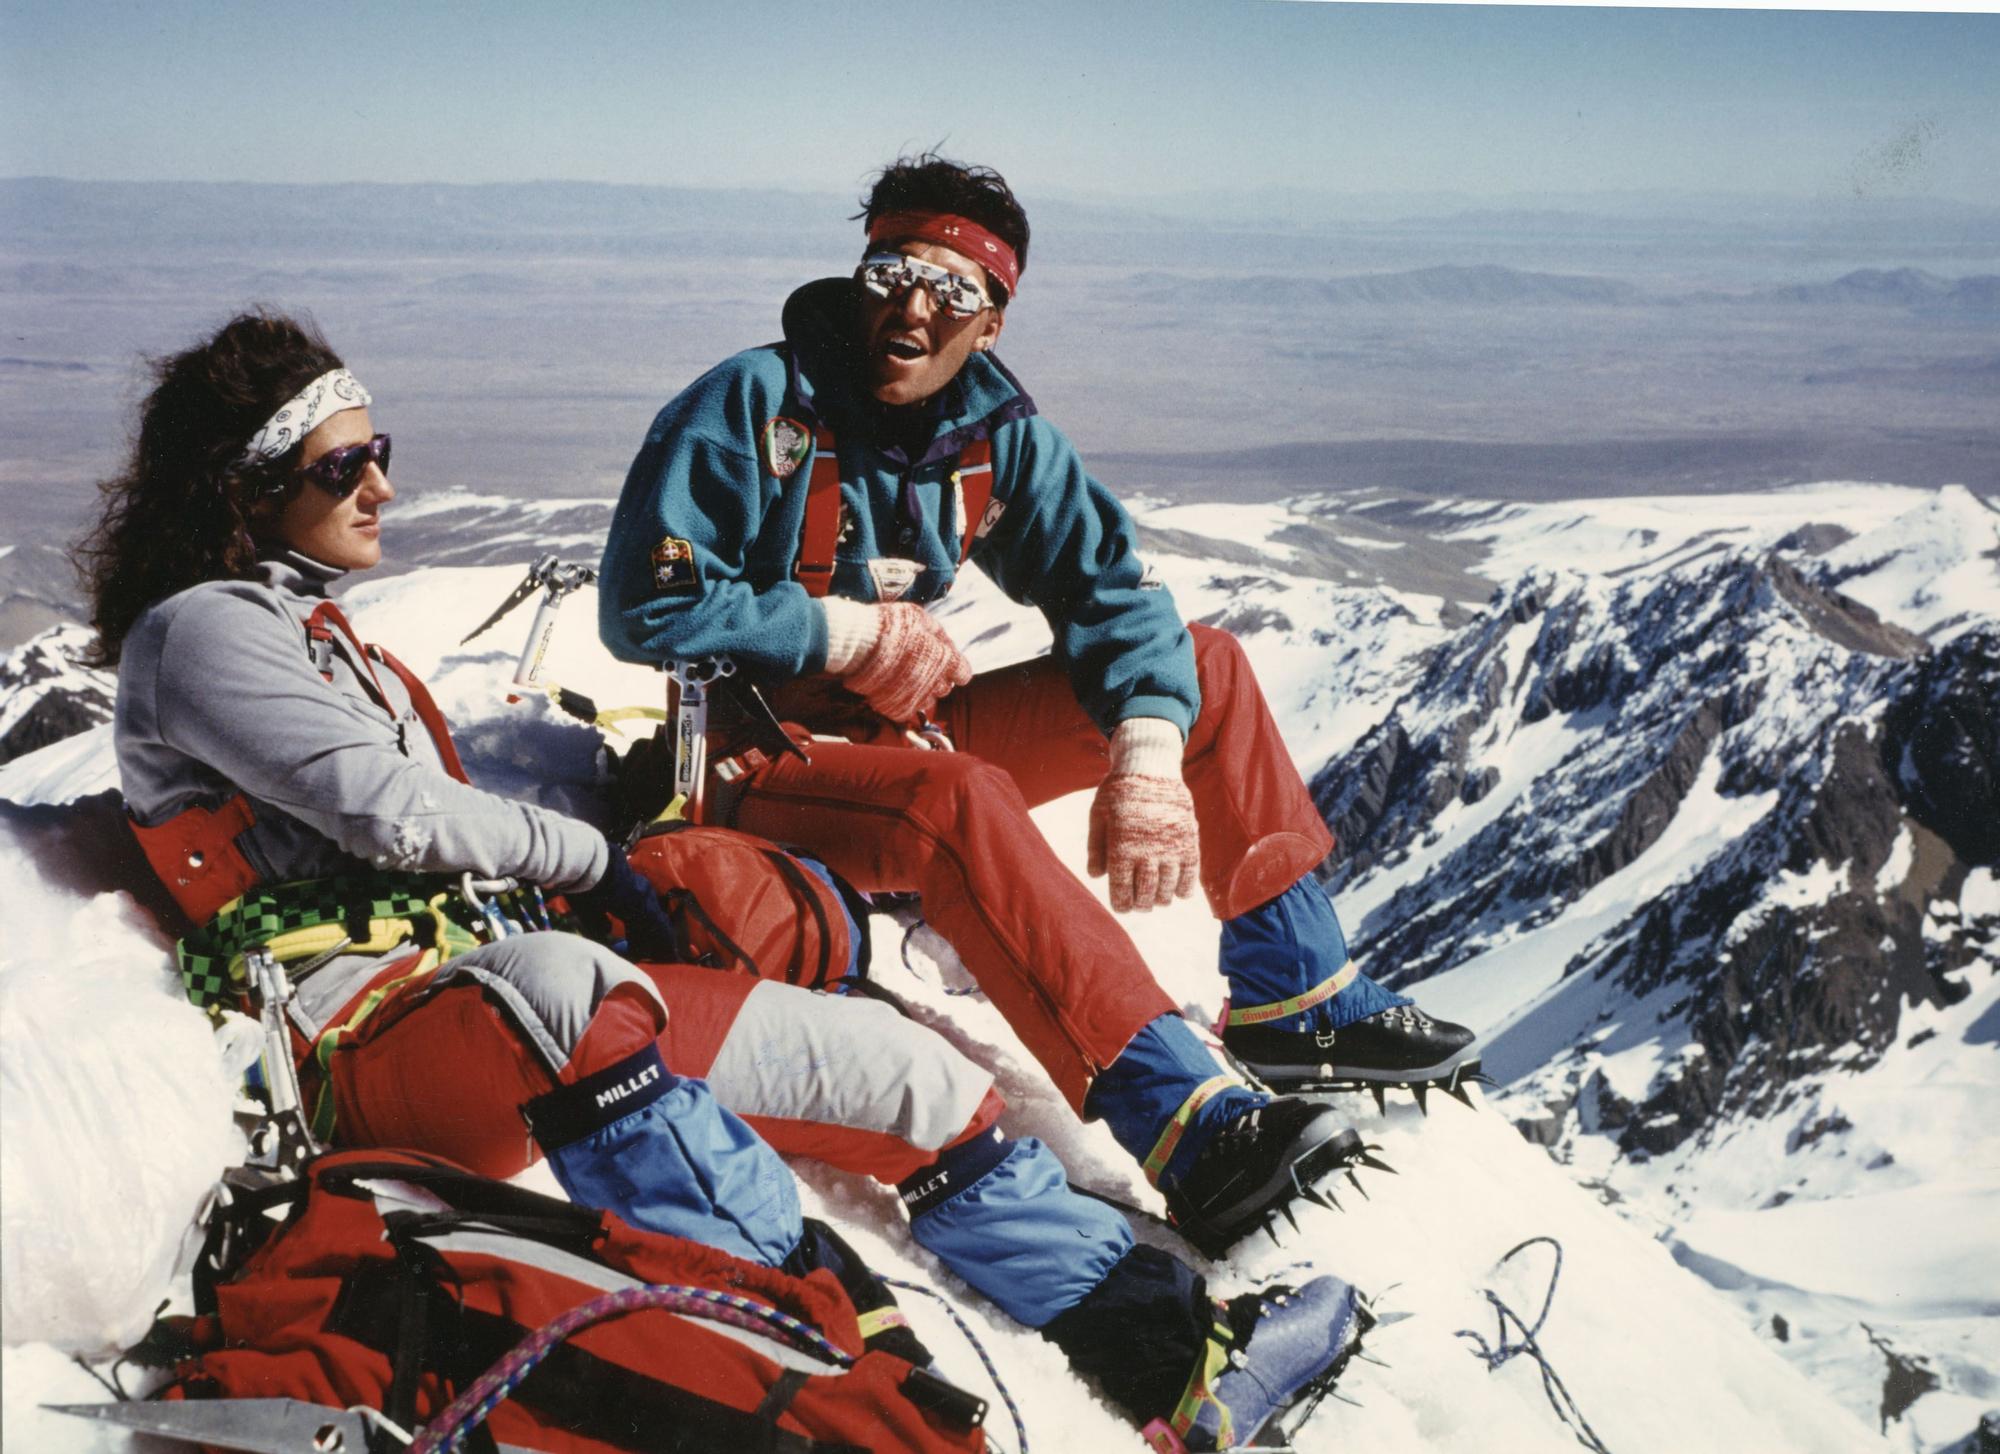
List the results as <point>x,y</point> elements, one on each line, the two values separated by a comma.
<point>1650,809</point>
<point>1244,620</point>
<point>1942,742</point>
<point>1556,741</point>
<point>46,694</point>
<point>1815,538</point>
<point>1839,618</point>
<point>1907,1380</point>
<point>53,716</point>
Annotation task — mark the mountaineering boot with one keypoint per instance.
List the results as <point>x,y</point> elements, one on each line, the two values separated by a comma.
<point>1401,1046</point>
<point>1252,1168</point>
<point>1267,1353</point>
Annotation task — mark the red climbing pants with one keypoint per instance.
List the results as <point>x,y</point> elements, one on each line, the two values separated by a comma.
<point>445,1064</point>
<point>953,827</point>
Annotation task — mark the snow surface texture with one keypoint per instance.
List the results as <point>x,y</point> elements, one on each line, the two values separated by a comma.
<point>1654,1357</point>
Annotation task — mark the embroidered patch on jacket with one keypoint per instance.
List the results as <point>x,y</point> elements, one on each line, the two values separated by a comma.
<point>673,567</point>
<point>893,577</point>
<point>994,510</point>
<point>786,444</point>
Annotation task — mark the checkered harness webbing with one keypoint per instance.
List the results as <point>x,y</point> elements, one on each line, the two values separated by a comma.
<point>211,958</point>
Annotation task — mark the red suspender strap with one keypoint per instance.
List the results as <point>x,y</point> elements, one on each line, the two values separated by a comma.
<point>317,629</point>
<point>195,854</point>
<point>427,713</point>
<point>821,531</point>
<point>974,479</point>
<point>420,695</point>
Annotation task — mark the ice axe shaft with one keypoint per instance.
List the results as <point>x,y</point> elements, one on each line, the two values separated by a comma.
<point>687,709</point>
<point>283,1144</point>
<point>528,670</point>
<point>555,581</point>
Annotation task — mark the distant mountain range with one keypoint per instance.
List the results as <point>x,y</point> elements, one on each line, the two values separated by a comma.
<point>1490,285</point>
<point>532,218</point>
<point>1482,285</point>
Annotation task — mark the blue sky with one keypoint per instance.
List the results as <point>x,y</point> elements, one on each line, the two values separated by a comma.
<point>1097,97</point>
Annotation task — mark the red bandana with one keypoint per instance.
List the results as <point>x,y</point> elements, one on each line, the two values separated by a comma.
<point>960,234</point>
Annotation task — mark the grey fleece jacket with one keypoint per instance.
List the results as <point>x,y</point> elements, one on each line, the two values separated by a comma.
<point>217,693</point>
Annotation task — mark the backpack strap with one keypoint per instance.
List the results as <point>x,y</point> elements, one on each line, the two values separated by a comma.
<point>821,531</point>
<point>472,1198</point>
<point>427,712</point>
<point>795,879</point>
<point>972,491</point>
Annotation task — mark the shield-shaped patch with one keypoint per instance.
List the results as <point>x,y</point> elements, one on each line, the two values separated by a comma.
<point>673,567</point>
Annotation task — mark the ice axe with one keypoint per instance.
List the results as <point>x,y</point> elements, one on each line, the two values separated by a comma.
<point>555,581</point>
<point>254,1425</point>
<point>282,1142</point>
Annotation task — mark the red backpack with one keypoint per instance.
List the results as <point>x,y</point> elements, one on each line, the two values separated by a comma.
<point>742,902</point>
<point>398,1282</point>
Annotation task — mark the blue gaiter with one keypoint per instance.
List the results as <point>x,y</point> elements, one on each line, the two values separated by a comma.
<point>1289,947</point>
<point>661,1153</point>
<point>1140,1093</point>
<point>1001,1215</point>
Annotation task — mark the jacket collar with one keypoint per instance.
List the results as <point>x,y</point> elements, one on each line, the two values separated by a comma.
<point>296,572</point>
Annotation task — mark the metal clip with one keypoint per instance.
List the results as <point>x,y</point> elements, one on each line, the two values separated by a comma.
<point>471,889</point>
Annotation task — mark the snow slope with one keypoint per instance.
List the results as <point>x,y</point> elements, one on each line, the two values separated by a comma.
<point>1653,1357</point>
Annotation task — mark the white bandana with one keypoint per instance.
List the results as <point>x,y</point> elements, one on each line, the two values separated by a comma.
<point>328,395</point>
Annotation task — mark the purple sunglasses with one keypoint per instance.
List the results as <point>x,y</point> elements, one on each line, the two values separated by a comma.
<point>339,471</point>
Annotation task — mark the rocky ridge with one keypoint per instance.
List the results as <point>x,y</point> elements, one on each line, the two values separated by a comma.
<point>1552,744</point>
<point>47,693</point>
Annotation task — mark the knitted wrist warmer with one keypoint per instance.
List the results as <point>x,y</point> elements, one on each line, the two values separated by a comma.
<point>851,630</point>
<point>1147,746</point>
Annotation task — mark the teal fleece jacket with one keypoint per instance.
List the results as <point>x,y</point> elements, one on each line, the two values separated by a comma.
<point>700,555</point>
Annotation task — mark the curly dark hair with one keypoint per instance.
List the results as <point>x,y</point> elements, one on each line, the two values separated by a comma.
<point>932,183</point>
<point>182,510</point>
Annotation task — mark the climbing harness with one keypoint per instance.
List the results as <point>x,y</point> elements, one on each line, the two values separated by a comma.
<point>972,495</point>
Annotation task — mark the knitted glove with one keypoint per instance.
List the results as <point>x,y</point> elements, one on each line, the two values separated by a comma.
<point>622,893</point>
<point>1142,824</point>
<point>908,665</point>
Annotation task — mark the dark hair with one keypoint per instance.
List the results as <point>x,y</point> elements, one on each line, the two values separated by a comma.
<point>931,183</point>
<point>180,512</point>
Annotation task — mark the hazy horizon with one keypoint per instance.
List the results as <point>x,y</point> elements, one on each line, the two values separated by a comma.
<point>522,336</point>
